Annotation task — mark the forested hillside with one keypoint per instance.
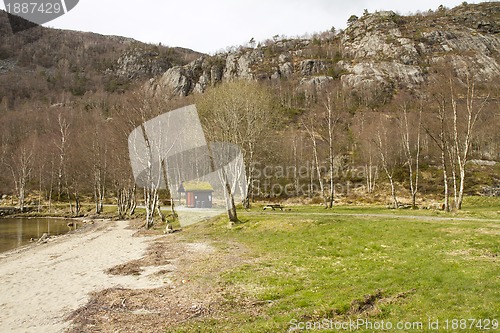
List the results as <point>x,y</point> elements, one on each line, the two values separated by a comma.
<point>42,64</point>
<point>395,109</point>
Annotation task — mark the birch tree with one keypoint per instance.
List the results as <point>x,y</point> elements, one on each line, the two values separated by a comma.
<point>21,167</point>
<point>388,151</point>
<point>458,110</point>
<point>442,141</point>
<point>323,128</point>
<point>62,147</point>
<point>241,113</point>
<point>464,128</point>
<point>365,148</point>
<point>333,117</point>
<point>411,143</point>
<point>99,156</point>
<point>151,143</point>
<point>315,137</point>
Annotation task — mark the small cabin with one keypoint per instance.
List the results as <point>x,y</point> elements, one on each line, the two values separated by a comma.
<point>197,194</point>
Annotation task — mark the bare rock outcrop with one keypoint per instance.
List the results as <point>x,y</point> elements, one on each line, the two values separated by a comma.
<point>383,51</point>
<point>386,49</point>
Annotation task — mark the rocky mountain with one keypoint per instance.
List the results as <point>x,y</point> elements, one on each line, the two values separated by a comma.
<point>378,53</point>
<point>382,52</point>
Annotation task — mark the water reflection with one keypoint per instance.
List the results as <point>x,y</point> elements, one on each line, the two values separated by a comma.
<point>16,232</point>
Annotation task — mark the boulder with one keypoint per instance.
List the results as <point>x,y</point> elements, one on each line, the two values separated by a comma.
<point>175,82</point>
<point>286,69</point>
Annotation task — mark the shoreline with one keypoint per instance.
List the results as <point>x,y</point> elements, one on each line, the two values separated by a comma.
<point>86,225</point>
<point>43,283</point>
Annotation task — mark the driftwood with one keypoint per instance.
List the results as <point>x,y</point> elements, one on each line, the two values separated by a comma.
<point>44,239</point>
<point>168,229</point>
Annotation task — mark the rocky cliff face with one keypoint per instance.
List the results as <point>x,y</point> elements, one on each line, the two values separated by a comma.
<point>388,49</point>
<point>145,61</point>
<point>382,50</point>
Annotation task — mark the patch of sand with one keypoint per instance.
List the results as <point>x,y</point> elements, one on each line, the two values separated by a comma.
<point>42,285</point>
<point>196,289</point>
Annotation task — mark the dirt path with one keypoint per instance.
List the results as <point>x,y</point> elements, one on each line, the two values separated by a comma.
<point>41,286</point>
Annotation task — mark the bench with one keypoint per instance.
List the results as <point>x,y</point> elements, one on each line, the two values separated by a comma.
<point>274,207</point>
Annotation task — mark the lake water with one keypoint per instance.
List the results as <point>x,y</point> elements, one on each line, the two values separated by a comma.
<point>16,232</point>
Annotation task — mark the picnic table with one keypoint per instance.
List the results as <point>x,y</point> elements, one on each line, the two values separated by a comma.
<point>274,207</point>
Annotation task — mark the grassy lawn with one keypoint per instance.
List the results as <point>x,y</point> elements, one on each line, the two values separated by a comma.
<point>308,266</point>
<point>474,207</point>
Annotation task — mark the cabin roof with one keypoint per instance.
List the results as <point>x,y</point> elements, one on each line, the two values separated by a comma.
<point>196,186</point>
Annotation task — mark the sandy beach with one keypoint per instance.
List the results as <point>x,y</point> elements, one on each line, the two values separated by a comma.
<point>41,285</point>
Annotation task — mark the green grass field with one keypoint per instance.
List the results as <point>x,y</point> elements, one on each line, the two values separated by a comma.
<point>309,266</point>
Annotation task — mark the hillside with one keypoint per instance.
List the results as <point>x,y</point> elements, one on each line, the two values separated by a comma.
<point>378,53</point>
<point>76,96</point>
<point>46,62</point>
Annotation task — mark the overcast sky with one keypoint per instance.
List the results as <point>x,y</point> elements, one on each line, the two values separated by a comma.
<point>211,25</point>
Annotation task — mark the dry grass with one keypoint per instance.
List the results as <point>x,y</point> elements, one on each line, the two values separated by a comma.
<point>194,289</point>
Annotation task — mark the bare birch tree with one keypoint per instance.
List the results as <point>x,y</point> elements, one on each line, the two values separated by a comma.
<point>314,136</point>
<point>62,146</point>
<point>99,156</point>
<point>323,129</point>
<point>458,110</point>
<point>463,133</point>
<point>388,152</point>
<point>366,152</point>
<point>21,167</point>
<point>441,138</point>
<point>411,143</point>
<point>333,116</point>
<point>241,113</point>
